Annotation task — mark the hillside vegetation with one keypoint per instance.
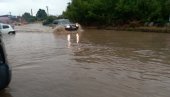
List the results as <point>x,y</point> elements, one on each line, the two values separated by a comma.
<point>118,12</point>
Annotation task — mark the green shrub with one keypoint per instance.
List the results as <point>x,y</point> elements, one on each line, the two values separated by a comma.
<point>49,20</point>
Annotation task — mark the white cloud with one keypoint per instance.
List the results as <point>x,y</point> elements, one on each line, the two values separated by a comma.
<point>18,7</point>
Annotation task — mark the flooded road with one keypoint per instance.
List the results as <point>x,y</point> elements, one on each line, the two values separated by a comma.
<point>93,63</point>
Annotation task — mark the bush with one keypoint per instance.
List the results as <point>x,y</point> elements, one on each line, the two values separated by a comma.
<point>29,18</point>
<point>49,20</point>
<point>118,12</point>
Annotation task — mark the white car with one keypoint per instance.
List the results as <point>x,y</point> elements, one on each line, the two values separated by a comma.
<point>6,28</point>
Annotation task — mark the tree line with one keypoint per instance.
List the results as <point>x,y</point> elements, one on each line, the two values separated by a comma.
<point>40,16</point>
<point>118,12</point>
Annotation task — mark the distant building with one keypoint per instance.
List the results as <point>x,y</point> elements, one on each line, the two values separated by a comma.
<point>5,16</point>
<point>5,19</point>
<point>13,20</point>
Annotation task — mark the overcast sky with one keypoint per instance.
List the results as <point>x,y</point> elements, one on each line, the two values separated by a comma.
<point>18,7</point>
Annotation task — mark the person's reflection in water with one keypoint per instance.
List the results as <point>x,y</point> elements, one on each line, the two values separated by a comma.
<point>5,93</point>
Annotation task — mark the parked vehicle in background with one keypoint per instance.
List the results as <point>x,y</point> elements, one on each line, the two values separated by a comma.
<point>6,28</point>
<point>5,69</point>
<point>69,26</point>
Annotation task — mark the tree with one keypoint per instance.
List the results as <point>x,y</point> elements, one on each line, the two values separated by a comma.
<point>28,17</point>
<point>41,14</point>
<point>49,20</point>
<point>108,12</point>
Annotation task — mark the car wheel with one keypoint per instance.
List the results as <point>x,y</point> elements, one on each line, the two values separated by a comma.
<point>4,76</point>
<point>13,32</point>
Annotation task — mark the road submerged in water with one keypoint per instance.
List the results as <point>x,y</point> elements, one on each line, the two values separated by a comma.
<point>93,63</point>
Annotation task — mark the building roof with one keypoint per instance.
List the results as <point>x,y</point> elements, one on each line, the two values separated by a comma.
<point>5,16</point>
<point>5,20</point>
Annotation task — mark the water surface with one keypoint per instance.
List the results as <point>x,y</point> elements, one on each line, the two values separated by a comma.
<point>94,63</point>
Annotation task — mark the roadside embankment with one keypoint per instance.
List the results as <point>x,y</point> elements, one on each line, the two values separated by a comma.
<point>141,29</point>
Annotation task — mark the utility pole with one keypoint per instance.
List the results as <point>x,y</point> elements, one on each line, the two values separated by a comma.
<point>10,13</point>
<point>31,12</point>
<point>47,10</point>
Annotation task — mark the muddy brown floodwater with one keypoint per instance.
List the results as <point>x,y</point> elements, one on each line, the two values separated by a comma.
<point>93,63</point>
